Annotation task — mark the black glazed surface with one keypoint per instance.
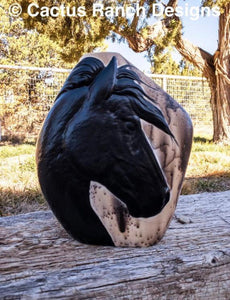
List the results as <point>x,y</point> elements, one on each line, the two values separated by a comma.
<point>93,133</point>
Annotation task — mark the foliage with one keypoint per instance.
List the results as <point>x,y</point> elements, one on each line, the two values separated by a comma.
<point>22,92</point>
<point>164,63</point>
<point>20,46</point>
<point>25,98</point>
<point>211,3</point>
<point>75,35</point>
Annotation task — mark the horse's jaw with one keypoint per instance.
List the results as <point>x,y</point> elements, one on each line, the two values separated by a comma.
<point>125,230</point>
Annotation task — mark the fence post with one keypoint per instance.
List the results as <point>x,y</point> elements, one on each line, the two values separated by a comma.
<point>164,84</point>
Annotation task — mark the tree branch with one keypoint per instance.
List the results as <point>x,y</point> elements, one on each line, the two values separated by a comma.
<point>136,17</point>
<point>222,55</point>
<point>172,3</point>
<point>199,57</point>
<point>196,55</point>
<point>140,42</point>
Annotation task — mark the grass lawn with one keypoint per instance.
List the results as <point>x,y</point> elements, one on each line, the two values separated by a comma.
<point>19,189</point>
<point>208,171</point>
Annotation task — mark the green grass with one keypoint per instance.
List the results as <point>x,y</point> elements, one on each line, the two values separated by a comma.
<point>209,159</point>
<point>16,150</point>
<point>19,188</point>
<point>208,171</point>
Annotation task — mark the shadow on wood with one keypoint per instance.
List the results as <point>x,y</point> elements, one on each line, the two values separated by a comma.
<point>38,260</point>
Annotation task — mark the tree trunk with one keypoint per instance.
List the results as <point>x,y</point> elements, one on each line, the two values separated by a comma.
<point>38,260</point>
<point>220,95</point>
<point>220,88</point>
<point>216,68</point>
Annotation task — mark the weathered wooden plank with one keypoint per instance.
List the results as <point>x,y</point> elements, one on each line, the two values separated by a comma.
<point>38,260</point>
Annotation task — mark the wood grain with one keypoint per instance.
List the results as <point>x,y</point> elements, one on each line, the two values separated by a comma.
<point>38,260</point>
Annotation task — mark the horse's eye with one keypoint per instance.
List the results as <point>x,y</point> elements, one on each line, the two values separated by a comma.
<point>130,126</point>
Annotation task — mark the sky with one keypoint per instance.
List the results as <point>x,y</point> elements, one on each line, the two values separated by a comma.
<point>202,32</point>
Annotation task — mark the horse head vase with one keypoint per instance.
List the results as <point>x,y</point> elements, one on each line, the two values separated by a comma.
<point>112,154</point>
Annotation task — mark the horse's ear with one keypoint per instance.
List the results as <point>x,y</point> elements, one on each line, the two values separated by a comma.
<point>150,113</point>
<point>103,84</point>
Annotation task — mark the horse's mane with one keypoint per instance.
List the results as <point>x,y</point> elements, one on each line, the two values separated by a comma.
<point>82,74</point>
<point>127,83</point>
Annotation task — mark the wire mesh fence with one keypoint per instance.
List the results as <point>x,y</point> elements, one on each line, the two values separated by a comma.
<point>27,94</point>
<point>193,93</point>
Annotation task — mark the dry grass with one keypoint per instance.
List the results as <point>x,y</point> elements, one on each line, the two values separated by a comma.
<point>19,189</point>
<point>208,171</point>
